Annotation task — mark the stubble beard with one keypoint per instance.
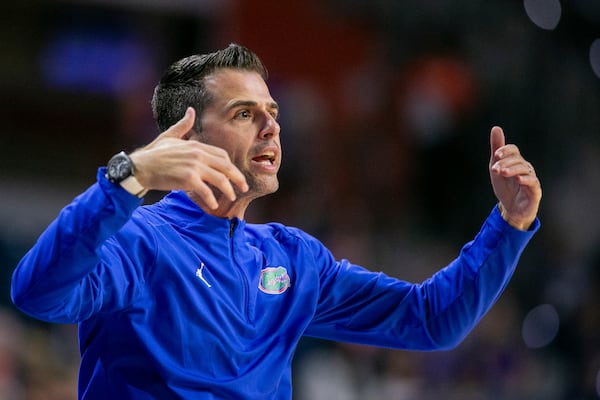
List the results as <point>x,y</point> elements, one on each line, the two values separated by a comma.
<point>258,186</point>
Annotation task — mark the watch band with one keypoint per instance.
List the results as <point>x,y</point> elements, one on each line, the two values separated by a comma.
<point>133,186</point>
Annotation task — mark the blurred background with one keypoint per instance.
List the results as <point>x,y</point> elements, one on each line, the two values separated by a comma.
<point>386,111</point>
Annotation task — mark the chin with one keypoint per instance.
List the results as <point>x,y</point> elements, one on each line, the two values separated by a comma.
<point>263,187</point>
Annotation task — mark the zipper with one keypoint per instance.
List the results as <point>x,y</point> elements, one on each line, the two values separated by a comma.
<point>241,274</point>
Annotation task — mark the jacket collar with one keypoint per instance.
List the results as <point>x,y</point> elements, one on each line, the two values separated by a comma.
<point>183,210</point>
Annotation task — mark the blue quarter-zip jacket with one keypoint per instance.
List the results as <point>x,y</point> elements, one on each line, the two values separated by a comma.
<point>173,303</point>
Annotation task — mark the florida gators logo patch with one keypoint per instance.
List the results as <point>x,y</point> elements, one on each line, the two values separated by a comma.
<point>274,280</point>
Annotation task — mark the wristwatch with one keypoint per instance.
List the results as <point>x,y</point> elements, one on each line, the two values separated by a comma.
<point>120,170</point>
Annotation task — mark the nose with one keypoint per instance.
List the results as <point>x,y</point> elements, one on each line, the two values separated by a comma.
<point>270,127</point>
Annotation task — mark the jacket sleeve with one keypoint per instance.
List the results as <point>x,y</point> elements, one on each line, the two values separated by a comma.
<point>360,306</point>
<point>72,271</point>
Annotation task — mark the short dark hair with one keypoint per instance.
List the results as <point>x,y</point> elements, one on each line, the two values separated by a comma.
<point>182,84</point>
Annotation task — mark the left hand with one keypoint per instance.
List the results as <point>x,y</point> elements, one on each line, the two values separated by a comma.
<point>514,182</point>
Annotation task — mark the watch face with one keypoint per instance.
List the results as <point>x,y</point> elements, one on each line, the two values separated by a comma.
<point>119,168</point>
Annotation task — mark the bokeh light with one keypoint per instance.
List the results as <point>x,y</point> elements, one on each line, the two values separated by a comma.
<point>540,326</point>
<point>595,56</point>
<point>544,13</point>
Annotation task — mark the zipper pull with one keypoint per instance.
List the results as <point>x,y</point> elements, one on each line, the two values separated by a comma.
<point>232,226</point>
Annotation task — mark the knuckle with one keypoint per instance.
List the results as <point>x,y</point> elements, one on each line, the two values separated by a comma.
<point>187,175</point>
<point>222,153</point>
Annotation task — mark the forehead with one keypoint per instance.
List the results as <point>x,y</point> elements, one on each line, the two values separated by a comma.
<point>232,84</point>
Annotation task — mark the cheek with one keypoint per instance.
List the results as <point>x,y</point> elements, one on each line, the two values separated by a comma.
<point>233,149</point>
<point>239,157</point>
<point>233,143</point>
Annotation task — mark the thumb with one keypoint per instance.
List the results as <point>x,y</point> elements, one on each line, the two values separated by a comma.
<point>497,140</point>
<point>180,129</point>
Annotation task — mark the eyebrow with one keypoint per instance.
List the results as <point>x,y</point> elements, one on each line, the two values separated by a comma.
<point>250,103</point>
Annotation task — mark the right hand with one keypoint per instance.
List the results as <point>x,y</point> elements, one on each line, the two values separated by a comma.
<point>173,162</point>
<point>514,181</point>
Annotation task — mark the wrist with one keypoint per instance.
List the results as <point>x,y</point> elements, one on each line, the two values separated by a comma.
<point>121,170</point>
<point>516,223</point>
<point>133,186</point>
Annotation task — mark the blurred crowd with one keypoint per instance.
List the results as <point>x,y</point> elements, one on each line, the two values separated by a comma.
<point>385,125</point>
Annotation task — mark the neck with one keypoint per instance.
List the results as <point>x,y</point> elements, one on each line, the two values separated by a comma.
<point>226,209</point>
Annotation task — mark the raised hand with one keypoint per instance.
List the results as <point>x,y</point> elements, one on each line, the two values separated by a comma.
<point>173,162</point>
<point>514,182</point>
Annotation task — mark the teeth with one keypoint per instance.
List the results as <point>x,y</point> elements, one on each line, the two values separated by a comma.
<point>264,159</point>
<point>266,156</point>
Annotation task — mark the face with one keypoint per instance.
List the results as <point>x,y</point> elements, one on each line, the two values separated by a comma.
<point>242,119</point>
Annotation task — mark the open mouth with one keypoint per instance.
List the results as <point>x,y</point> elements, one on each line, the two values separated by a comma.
<point>265,159</point>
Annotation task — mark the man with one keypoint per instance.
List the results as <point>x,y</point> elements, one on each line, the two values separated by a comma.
<point>184,299</point>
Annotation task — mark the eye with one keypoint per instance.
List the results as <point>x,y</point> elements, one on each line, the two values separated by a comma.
<point>243,114</point>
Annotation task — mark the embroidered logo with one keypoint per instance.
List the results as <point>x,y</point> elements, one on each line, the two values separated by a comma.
<point>274,280</point>
<point>199,274</point>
